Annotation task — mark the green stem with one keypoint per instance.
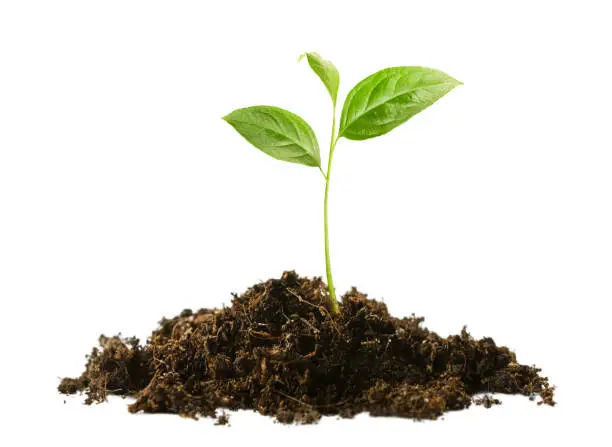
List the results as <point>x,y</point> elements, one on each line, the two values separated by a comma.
<point>333,302</point>
<point>322,173</point>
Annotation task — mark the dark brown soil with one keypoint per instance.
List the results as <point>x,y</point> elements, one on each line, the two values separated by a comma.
<point>278,351</point>
<point>486,401</point>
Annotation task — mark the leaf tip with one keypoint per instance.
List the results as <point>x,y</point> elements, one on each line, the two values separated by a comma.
<point>456,81</point>
<point>228,118</point>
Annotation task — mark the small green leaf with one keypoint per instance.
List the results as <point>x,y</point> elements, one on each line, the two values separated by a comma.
<point>390,97</point>
<point>277,132</point>
<point>326,71</point>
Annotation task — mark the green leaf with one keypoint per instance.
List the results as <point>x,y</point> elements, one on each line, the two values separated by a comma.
<point>277,132</point>
<point>390,97</point>
<point>326,71</point>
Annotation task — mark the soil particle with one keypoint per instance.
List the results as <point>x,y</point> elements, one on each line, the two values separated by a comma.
<point>223,419</point>
<point>277,350</point>
<point>486,401</point>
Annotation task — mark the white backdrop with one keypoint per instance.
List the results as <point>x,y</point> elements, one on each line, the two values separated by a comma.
<point>124,197</point>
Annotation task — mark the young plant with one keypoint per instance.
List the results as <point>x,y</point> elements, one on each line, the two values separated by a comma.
<point>375,106</point>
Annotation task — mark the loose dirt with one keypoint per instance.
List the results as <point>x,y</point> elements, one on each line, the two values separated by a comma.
<point>277,350</point>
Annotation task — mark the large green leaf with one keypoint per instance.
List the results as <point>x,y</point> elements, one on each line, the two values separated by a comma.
<point>327,72</point>
<point>277,132</point>
<point>390,97</point>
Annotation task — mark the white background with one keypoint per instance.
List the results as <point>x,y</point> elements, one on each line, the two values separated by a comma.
<point>124,197</point>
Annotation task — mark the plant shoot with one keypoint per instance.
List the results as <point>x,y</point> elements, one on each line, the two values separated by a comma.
<point>374,107</point>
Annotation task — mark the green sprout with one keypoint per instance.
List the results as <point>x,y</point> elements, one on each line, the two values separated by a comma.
<point>375,106</point>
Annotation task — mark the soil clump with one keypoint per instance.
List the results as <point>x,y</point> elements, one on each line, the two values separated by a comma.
<point>277,350</point>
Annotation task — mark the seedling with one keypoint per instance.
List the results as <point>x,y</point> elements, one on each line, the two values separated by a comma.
<point>374,107</point>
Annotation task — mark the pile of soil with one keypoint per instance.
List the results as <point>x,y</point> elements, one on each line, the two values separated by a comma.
<point>277,350</point>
